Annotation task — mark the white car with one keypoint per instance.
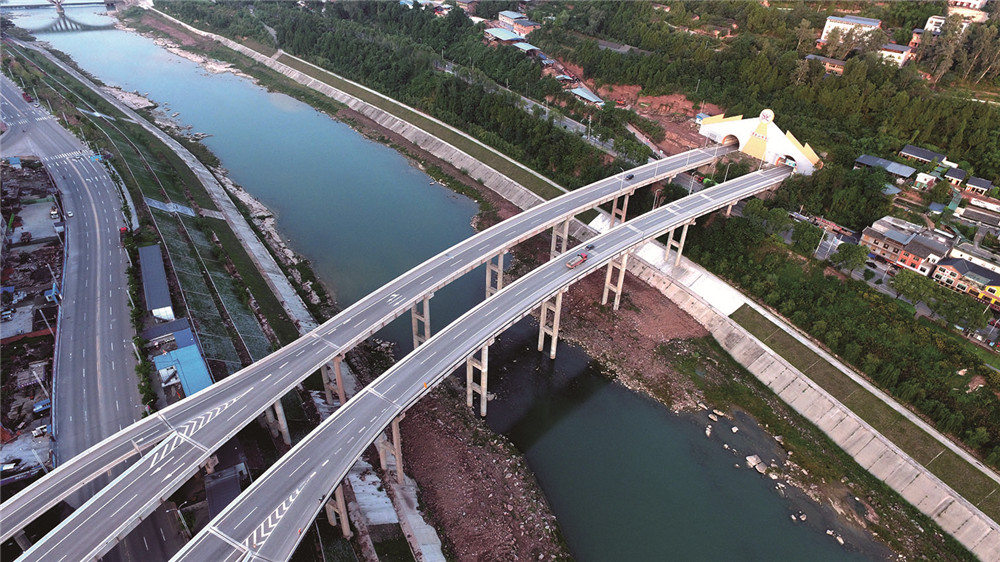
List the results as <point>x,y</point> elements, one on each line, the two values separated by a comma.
<point>69,213</point>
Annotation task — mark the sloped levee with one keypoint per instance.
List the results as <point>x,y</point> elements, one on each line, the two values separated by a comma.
<point>872,450</point>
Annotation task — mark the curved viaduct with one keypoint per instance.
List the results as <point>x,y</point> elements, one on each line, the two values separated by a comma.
<point>265,522</point>
<point>177,440</point>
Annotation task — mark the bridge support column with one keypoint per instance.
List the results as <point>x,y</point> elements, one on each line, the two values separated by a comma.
<point>618,209</point>
<point>420,314</point>
<point>279,413</point>
<point>494,274</point>
<point>336,508</point>
<point>22,540</point>
<point>553,305</point>
<point>614,280</point>
<point>671,243</point>
<point>560,238</point>
<point>272,424</point>
<point>337,377</point>
<point>729,209</point>
<point>481,388</point>
<point>395,448</point>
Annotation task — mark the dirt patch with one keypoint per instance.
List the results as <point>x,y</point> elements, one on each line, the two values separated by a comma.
<point>183,37</point>
<point>674,112</point>
<point>475,485</point>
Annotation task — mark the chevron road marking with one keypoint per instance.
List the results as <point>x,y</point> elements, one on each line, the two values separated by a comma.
<point>256,539</point>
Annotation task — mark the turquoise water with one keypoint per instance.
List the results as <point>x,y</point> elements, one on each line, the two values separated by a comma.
<point>626,479</point>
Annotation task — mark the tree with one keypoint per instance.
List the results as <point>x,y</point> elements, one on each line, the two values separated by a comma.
<point>849,256</point>
<point>806,237</point>
<point>913,286</point>
<point>804,34</point>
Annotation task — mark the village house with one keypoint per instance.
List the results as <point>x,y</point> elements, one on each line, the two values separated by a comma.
<point>978,185</point>
<point>525,26</point>
<point>956,176</point>
<point>901,172</point>
<point>507,19</point>
<point>905,244</point>
<point>966,277</point>
<point>911,152</point>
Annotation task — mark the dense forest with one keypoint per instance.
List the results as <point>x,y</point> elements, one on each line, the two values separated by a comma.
<point>874,107</point>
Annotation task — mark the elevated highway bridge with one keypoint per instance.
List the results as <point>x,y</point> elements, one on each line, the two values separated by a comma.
<point>180,438</point>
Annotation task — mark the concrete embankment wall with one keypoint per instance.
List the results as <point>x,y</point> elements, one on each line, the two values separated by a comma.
<point>873,451</point>
<point>868,447</point>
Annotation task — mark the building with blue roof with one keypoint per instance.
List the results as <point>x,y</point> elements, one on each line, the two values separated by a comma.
<point>154,283</point>
<point>527,47</point>
<point>184,365</point>
<point>587,96</point>
<point>894,168</point>
<point>502,35</point>
<point>507,18</point>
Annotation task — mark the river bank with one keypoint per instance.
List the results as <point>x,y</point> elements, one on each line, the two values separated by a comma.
<point>673,386</point>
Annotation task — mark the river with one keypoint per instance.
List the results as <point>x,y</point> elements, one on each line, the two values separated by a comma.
<point>627,479</point>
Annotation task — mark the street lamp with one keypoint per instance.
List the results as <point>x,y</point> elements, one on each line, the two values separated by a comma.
<point>183,522</point>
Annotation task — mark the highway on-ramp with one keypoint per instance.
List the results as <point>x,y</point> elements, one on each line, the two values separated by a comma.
<point>267,520</point>
<point>198,425</point>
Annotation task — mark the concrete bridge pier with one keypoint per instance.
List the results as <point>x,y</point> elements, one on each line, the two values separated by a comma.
<point>211,463</point>
<point>22,540</point>
<point>615,279</point>
<point>336,508</point>
<point>272,424</point>
<point>420,314</point>
<point>471,366</point>
<point>549,325</point>
<point>560,238</point>
<point>279,414</point>
<point>338,378</point>
<point>679,245</point>
<point>494,274</point>
<point>618,209</point>
<point>395,448</point>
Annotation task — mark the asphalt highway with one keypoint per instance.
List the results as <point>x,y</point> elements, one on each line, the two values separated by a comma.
<point>201,423</point>
<point>266,522</point>
<point>94,388</point>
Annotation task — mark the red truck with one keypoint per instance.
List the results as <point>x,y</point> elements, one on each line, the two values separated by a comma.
<point>26,97</point>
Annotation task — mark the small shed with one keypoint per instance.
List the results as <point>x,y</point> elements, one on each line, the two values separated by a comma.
<point>587,96</point>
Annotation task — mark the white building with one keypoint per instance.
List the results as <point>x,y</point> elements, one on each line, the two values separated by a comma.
<point>897,54</point>
<point>761,138</point>
<point>847,23</point>
<point>970,4</point>
<point>935,23</point>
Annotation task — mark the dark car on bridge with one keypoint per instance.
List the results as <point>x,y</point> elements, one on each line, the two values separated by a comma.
<point>577,260</point>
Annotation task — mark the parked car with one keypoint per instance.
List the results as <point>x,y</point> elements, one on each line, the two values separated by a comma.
<point>577,260</point>
<point>871,264</point>
<point>69,213</point>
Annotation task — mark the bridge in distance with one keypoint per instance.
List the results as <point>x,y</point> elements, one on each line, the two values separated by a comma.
<point>191,430</point>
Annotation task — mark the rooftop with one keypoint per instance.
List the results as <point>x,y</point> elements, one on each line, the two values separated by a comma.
<point>979,183</point>
<point>855,20</point>
<point>190,367</point>
<point>896,48</point>
<point>967,268</point>
<point>502,34</point>
<point>154,277</point>
<point>587,95</point>
<point>922,153</point>
<point>955,174</point>
<point>526,47</point>
<point>826,60</point>
<point>893,168</point>
<point>513,15</point>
